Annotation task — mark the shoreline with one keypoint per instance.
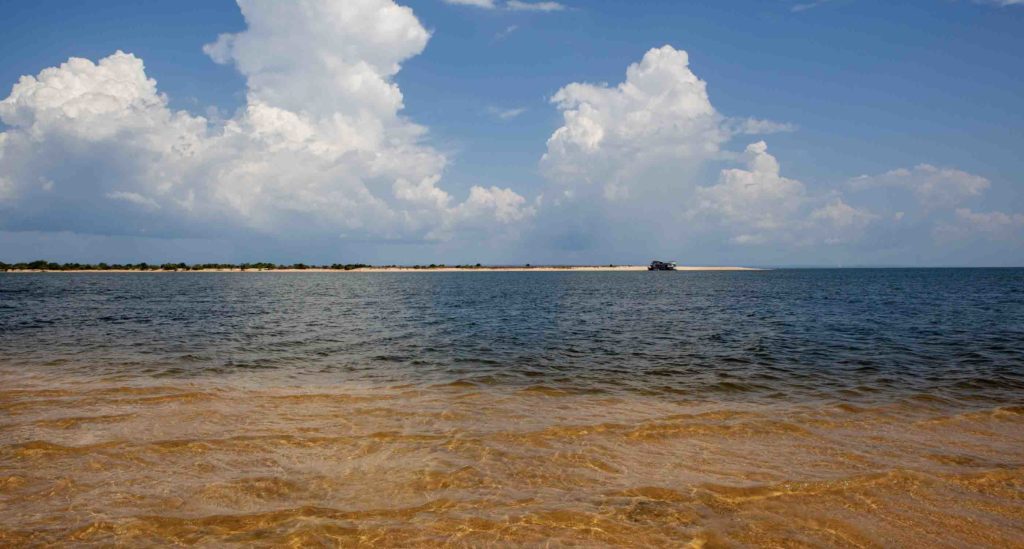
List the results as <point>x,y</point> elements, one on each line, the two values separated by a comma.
<point>556,268</point>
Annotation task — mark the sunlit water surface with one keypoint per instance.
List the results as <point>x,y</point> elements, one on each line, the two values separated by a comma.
<point>833,407</point>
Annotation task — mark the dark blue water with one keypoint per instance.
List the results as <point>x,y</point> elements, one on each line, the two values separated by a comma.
<point>785,334</point>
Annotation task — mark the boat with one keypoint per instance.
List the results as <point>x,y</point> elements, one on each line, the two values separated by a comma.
<point>662,266</point>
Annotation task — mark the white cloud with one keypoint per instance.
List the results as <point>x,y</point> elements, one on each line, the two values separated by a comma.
<point>501,35</point>
<point>6,189</point>
<point>493,203</point>
<point>112,132</point>
<point>342,65</point>
<point>837,222</point>
<point>840,214</point>
<point>483,208</point>
<point>320,146</point>
<point>489,4</point>
<point>646,144</point>
<point>758,205</point>
<point>995,225</point>
<point>796,8</point>
<point>752,202</point>
<point>511,5</point>
<point>134,198</point>
<point>755,126</point>
<point>92,102</point>
<point>507,114</point>
<point>991,222</point>
<point>517,5</point>
<point>610,135</point>
<point>932,186</point>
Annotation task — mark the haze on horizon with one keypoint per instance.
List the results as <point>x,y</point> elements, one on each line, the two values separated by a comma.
<point>465,131</point>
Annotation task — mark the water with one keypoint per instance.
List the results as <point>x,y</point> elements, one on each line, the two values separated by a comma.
<point>807,407</point>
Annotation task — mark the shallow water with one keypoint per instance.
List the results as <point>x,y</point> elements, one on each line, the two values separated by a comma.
<point>834,407</point>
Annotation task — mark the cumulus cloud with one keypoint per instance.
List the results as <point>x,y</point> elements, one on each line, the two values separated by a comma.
<point>840,214</point>
<point>321,149</point>
<point>923,211</point>
<point>630,165</point>
<point>343,65</point>
<point>968,224</point>
<point>758,205</point>
<point>932,186</point>
<point>838,222</point>
<point>112,132</point>
<point>320,146</point>
<point>990,222</point>
<point>486,205</point>
<point>611,135</point>
<point>753,199</point>
<point>635,156</point>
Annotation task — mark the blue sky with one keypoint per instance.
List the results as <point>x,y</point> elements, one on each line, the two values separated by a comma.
<point>860,89</point>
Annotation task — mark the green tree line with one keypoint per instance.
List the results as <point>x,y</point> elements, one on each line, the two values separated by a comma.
<point>44,265</point>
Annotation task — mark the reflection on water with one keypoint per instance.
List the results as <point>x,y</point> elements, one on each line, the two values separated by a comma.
<point>784,408</point>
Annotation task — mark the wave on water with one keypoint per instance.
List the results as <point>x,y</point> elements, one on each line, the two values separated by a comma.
<point>808,408</point>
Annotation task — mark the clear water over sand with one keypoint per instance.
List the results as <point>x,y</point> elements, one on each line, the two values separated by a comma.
<point>853,407</point>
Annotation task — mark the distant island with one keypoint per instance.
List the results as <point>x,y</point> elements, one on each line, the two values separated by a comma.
<point>49,266</point>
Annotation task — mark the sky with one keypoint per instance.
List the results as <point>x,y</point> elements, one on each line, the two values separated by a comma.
<point>761,133</point>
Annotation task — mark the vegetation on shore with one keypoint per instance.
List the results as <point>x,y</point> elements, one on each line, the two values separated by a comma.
<point>43,265</point>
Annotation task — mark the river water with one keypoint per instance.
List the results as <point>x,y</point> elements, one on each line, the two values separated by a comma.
<point>789,407</point>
